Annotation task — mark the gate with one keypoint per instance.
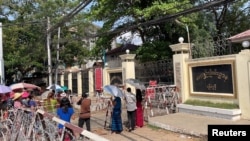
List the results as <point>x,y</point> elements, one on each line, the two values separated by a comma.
<point>161,71</point>
<point>85,81</point>
<point>66,83</point>
<point>74,82</point>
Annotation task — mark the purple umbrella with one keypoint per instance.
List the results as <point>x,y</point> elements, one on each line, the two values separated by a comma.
<point>4,89</point>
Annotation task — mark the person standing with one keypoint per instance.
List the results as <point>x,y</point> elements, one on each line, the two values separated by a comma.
<point>17,100</point>
<point>65,112</point>
<point>51,103</point>
<point>130,100</point>
<point>84,116</point>
<point>139,110</point>
<point>116,118</point>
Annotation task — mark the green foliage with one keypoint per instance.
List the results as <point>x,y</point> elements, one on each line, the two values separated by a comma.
<point>128,13</point>
<point>158,50</point>
<point>211,104</point>
<point>24,35</point>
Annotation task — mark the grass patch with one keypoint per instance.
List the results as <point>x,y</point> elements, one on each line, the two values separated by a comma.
<point>153,127</point>
<point>211,104</point>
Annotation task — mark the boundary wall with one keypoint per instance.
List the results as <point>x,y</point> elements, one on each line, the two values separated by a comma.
<point>240,64</point>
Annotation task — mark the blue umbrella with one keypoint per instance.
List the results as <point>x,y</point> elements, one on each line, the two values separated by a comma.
<point>4,89</point>
<point>54,87</point>
<point>113,90</point>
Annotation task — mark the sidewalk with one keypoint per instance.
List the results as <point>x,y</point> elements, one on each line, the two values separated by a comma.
<point>190,124</point>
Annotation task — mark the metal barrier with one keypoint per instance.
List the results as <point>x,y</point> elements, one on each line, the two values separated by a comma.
<point>160,99</point>
<point>25,125</point>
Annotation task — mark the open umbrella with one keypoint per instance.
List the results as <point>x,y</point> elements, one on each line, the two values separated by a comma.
<point>44,95</point>
<point>135,83</point>
<point>54,87</point>
<point>23,85</point>
<point>4,89</point>
<point>113,90</point>
<point>65,88</point>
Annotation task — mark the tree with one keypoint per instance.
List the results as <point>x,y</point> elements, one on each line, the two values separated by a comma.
<point>215,25</point>
<point>24,34</point>
<point>127,14</point>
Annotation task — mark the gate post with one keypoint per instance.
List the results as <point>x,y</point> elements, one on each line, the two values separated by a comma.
<point>128,67</point>
<point>180,68</point>
<point>70,80</point>
<point>62,79</point>
<point>91,82</point>
<point>79,82</point>
<point>243,82</point>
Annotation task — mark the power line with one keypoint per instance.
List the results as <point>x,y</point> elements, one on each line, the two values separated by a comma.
<point>70,15</point>
<point>168,17</point>
<point>24,23</point>
<point>66,18</point>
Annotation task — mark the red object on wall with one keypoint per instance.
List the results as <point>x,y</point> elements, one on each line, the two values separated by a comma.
<point>152,83</point>
<point>98,79</point>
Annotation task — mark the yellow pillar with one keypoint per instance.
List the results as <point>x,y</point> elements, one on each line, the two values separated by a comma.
<point>79,83</point>
<point>181,69</point>
<point>243,82</point>
<point>128,68</point>
<point>91,82</point>
<point>62,80</point>
<point>70,80</point>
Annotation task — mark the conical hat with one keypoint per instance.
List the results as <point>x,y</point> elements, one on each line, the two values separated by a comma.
<point>17,95</point>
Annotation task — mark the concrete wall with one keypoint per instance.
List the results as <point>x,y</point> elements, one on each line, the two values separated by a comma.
<point>240,71</point>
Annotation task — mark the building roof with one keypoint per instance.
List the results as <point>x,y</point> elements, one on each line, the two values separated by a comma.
<point>122,49</point>
<point>243,36</point>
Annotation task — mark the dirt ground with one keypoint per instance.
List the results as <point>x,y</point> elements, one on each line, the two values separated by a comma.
<point>146,133</point>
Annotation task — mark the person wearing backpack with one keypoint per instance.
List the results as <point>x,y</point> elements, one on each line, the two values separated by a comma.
<point>130,100</point>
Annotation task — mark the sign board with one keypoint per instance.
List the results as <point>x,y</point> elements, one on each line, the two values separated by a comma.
<point>213,79</point>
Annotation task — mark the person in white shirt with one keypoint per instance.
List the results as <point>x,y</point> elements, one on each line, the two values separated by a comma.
<point>130,100</point>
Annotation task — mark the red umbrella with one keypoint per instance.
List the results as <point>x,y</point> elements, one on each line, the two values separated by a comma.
<point>23,85</point>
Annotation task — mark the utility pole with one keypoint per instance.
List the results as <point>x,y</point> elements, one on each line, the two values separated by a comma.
<point>57,54</point>
<point>1,57</point>
<point>49,52</point>
<point>188,36</point>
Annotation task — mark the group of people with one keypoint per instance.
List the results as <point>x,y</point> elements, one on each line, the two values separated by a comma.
<point>17,100</point>
<point>134,111</point>
<point>65,111</point>
<point>57,104</point>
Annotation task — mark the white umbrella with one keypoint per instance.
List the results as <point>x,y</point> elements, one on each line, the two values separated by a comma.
<point>44,95</point>
<point>135,83</point>
<point>113,90</point>
<point>54,87</point>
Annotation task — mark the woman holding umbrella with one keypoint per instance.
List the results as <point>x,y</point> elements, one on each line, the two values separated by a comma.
<point>116,122</point>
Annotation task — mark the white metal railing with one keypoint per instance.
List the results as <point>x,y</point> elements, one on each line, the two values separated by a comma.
<point>25,125</point>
